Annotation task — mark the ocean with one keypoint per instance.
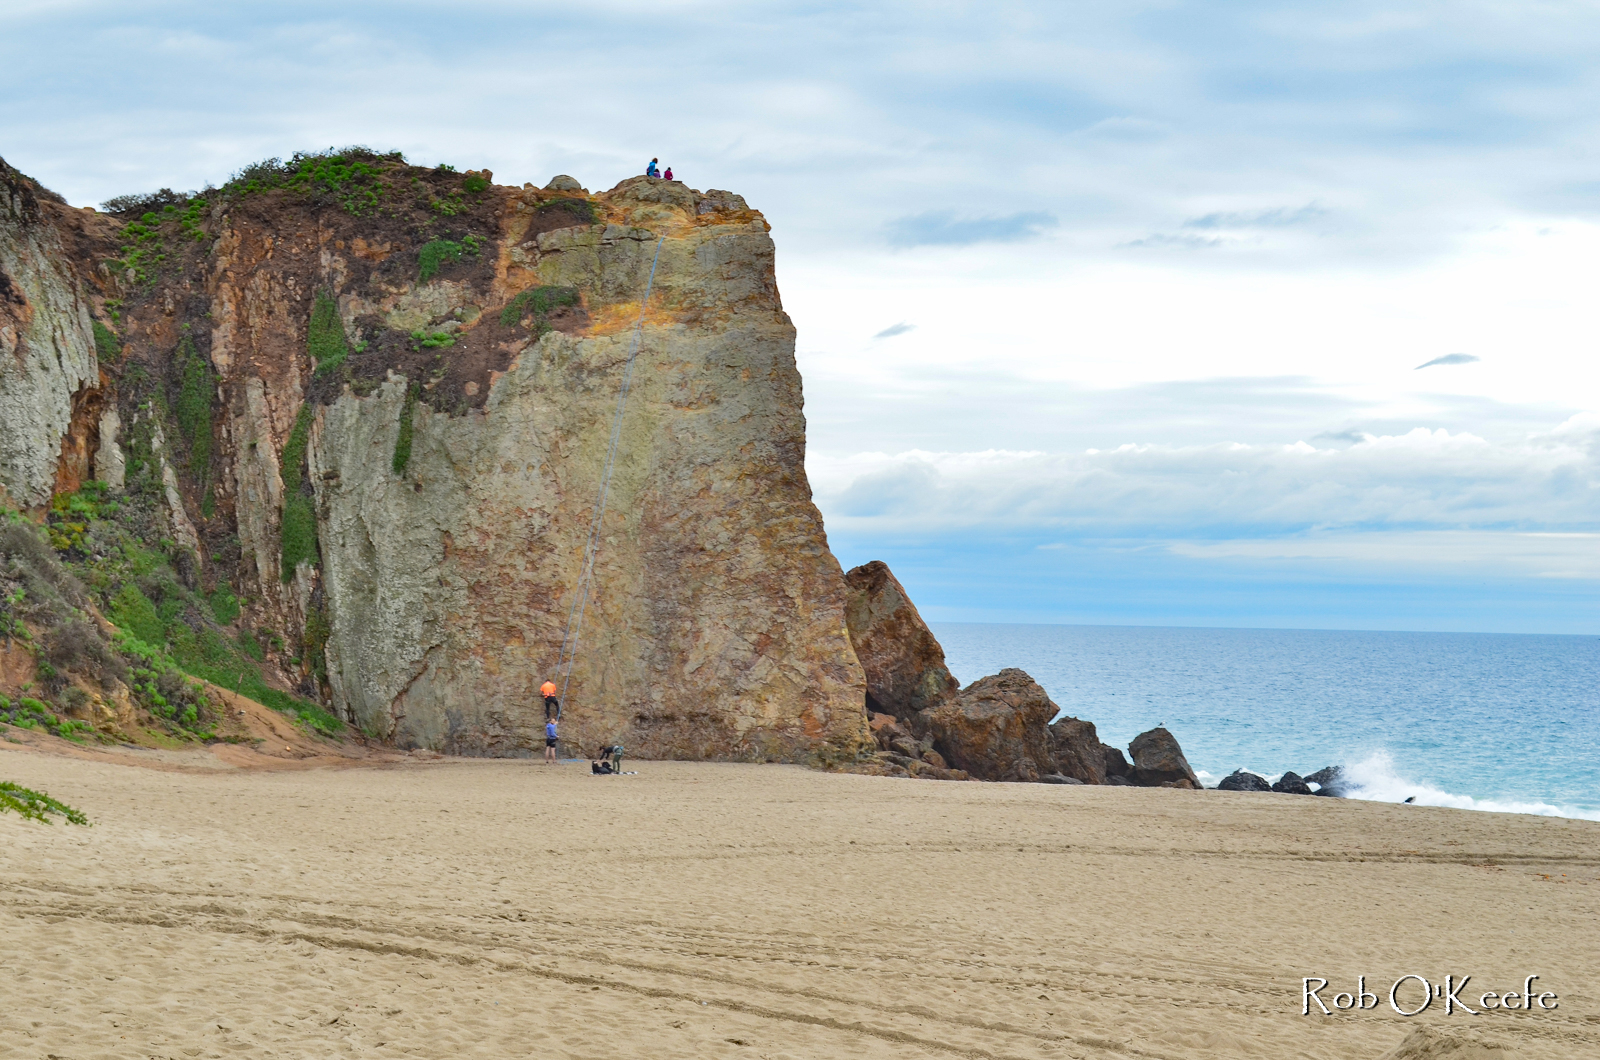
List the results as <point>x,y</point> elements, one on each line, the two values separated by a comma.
<point>1481,721</point>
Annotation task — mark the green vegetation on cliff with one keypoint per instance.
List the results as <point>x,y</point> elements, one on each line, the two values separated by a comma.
<point>197,392</point>
<point>163,628</point>
<point>537,302</point>
<point>326,340</point>
<point>402,443</point>
<point>106,344</point>
<point>299,531</point>
<point>582,210</point>
<point>352,178</point>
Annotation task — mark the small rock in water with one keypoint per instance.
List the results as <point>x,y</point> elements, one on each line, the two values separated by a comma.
<point>1239,780</point>
<point>1291,783</point>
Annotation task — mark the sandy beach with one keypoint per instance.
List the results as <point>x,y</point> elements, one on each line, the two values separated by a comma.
<point>465,908</point>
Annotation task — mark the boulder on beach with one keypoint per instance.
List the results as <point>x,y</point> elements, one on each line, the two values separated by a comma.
<point>1117,767</point>
<point>1291,783</point>
<point>903,661</point>
<point>1158,761</point>
<point>1057,778</point>
<point>1239,780</point>
<point>997,728</point>
<point>1078,750</point>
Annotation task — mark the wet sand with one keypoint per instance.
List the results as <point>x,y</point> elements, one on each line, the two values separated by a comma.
<point>462,908</point>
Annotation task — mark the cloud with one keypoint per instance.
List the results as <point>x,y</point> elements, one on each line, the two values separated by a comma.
<point>895,329</point>
<point>1419,480</point>
<point>1161,240</point>
<point>1449,358</point>
<point>944,228</point>
<point>1278,218</point>
<point>1343,436</point>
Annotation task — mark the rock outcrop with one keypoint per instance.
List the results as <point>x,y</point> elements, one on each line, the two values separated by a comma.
<point>996,728</point>
<point>1079,753</point>
<point>1239,780</point>
<point>1330,781</point>
<point>1158,761</point>
<point>900,657</point>
<point>48,367</point>
<point>1291,783</point>
<point>373,401</point>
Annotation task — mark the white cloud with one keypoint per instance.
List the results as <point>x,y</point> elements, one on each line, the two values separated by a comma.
<point>1419,480</point>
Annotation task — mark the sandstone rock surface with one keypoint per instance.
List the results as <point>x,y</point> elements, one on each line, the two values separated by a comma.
<point>900,657</point>
<point>997,728</point>
<point>47,355</point>
<point>716,628</point>
<point>1078,751</point>
<point>1158,761</point>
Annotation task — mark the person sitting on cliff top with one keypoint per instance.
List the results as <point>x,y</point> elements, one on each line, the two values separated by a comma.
<point>552,705</point>
<point>652,170</point>
<point>668,174</point>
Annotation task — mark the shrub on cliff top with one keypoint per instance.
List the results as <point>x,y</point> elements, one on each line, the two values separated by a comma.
<point>140,204</point>
<point>350,176</point>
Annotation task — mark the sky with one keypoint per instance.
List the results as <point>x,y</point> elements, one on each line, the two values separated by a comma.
<point>1166,313</point>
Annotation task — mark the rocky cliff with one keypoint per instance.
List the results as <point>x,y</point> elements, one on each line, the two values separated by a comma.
<point>366,406</point>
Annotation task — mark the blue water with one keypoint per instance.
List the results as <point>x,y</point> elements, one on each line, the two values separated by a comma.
<point>1475,720</point>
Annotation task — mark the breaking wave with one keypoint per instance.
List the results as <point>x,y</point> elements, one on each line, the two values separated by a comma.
<point>1374,779</point>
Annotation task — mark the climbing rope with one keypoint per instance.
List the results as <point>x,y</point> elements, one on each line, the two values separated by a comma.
<point>580,597</point>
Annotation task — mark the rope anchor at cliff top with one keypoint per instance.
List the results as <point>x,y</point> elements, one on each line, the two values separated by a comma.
<point>580,598</point>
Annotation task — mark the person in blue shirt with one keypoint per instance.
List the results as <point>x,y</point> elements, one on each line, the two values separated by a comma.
<point>550,742</point>
<point>653,169</point>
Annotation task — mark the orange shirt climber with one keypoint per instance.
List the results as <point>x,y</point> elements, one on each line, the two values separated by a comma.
<point>552,705</point>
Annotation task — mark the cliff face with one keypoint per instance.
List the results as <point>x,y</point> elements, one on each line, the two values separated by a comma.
<point>46,342</point>
<point>374,402</point>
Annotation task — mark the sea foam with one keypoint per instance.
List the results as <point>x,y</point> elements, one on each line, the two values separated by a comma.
<point>1374,779</point>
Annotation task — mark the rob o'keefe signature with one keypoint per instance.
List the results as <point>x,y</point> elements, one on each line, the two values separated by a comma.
<point>1411,994</point>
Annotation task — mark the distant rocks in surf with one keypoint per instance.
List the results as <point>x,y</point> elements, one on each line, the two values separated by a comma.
<point>998,728</point>
<point>1329,780</point>
<point>1239,780</point>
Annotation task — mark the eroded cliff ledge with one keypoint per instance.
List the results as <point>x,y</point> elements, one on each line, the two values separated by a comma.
<point>372,401</point>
